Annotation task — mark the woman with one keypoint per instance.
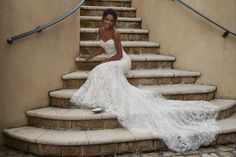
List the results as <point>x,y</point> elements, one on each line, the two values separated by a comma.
<point>183,125</point>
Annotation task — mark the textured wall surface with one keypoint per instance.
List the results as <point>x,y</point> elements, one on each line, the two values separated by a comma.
<point>33,66</point>
<point>197,44</point>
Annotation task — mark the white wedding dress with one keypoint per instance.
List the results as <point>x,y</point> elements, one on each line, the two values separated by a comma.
<point>183,125</point>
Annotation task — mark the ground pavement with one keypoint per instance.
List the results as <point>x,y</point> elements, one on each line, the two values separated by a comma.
<point>217,151</point>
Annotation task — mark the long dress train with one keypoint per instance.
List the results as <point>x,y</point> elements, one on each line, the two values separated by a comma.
<point>182,125</point>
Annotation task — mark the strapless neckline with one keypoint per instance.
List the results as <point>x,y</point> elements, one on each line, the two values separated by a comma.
<point>107,40</point>
<point>108,46</point>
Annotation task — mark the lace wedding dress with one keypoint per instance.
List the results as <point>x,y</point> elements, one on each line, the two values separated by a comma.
<point>183,125</point>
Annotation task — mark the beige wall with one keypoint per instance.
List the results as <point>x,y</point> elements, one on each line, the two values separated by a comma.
<point>197,44</point>
<point>33,66</point>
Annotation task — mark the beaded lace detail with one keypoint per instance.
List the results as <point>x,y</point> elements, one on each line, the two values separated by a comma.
<point>109,48</point>
<point>182,125</point>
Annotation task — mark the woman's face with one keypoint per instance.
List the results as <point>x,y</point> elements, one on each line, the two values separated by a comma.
<point>108,21</point>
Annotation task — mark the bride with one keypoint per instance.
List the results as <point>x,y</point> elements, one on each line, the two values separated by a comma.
<point>182,125</point>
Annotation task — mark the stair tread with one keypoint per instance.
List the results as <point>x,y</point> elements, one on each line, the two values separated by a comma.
<point>133,57</point>
<point>68,114</point>
<point>121,30</point>
<point>108,7</point>
<point>228,125</point>
<point>159,89</point>
<point>86,114</point>
<point>66,137</point>
<point>139,73</point>
<point>133,19</point>
<point>179,88</point>
<point>124,43</point>
<point>223,104</point>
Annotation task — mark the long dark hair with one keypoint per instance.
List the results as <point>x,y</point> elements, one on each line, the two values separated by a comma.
<point>110,12</point>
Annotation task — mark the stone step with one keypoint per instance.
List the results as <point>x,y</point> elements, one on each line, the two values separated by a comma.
<point>111,3</point>
<point>144,61</point>
<point>125,34</point>
<point>98,11</point>
<point>130,47</point>
<point>60,98</point>
<point>226,107</point>
<point>148,61</point>
<point>85,119</point>
<point>73,118</point>
<point>46,142</point>
<point>138,77</point>
<point>183,91</point>
<point>122,22</point>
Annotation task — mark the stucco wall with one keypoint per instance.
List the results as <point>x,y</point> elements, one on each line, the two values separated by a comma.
<point>197,44</point>
<point>31,67</point>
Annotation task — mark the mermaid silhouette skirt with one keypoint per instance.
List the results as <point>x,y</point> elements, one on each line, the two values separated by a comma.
<point>182,125</point>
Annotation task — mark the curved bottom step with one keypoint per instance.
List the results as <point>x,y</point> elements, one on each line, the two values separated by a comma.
<point>85,119</point>
<point>92,143</point>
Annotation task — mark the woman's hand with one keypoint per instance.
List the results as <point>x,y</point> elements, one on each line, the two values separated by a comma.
<point>104,61</point>
<point>107,59</point>
<point>88,57</point>
<point>85,57</point>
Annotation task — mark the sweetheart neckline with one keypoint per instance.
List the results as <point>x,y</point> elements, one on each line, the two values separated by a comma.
<point>106,40</point>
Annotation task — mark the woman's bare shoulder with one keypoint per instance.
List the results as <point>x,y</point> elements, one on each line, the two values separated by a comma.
<point>100,32</point>
<point>116,33</point>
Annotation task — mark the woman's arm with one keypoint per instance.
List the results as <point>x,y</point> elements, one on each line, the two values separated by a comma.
<point>100,51</point>
<point>118,55</point>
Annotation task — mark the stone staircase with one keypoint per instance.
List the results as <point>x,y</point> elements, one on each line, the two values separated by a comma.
<point>63,130</point>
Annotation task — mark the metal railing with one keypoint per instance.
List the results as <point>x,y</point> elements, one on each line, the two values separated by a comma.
<point>38,29</point>
<point>226,31</point>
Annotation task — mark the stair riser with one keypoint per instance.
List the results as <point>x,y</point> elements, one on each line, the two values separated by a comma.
<point>64,103</point>
<point>91,124</point>
<point>76,83</point>
<point>135,65</point>
<point>100,149</point>
<point>202,96</point>
<point>119,24</point>
<point>86,150</point>
<point>84,36</point>
<point>84,50</point>
<point>226,113</point>
<point>123,13</point>
<point>106,3</point>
